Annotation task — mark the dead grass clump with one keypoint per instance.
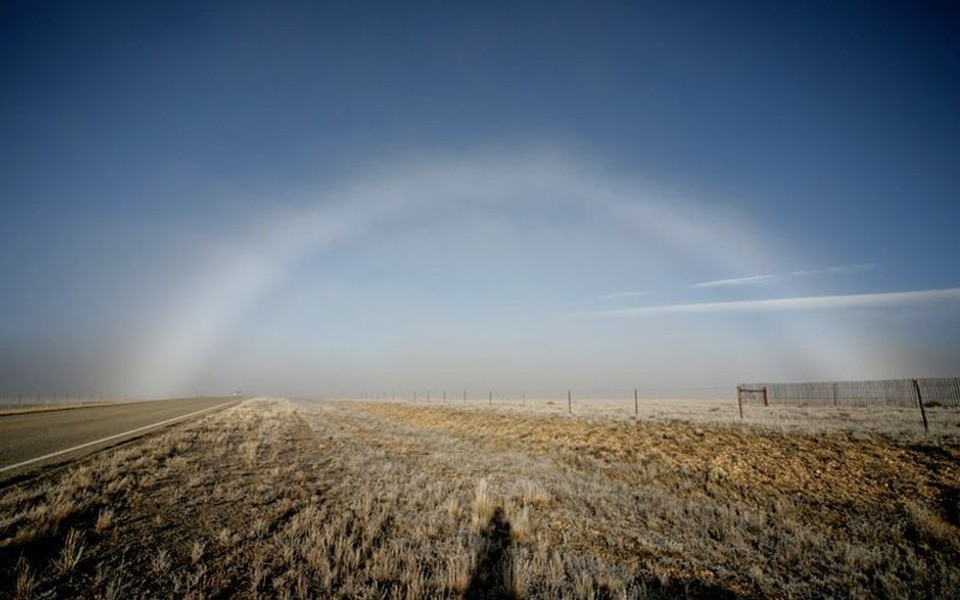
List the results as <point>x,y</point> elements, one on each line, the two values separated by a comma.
<point>196,551</point>
<point>61,508</point>
<point>483,506</point>
<point>515,582</point>
<point>177,463</point>
<point>104,519</point>
<point>160,562</point>
<point>70,553</point>
<point>119,485</point>
<point>226,538</point>
<point>521,527</point>
<point>26,582</point>
<point>930,528</point>
<point>531,493</point>
<point>113,587</point>
<point>454,509</point>
<point>459,567</point>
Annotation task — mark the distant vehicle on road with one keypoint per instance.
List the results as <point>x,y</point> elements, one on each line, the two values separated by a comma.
<point>238,394</point>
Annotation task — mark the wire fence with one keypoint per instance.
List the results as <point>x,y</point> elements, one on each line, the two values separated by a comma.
<point>932,391</point>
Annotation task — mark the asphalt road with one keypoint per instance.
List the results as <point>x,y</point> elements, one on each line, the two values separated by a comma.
<point>24,437</point>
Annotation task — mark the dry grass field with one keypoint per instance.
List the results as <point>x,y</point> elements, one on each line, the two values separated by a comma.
<point>274,498</point>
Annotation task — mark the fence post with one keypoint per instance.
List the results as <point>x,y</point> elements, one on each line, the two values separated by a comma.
<point>490,398</point>
<point>569,403</point>
<point>835,402</point>
<point>765,400</point>
<point>636,404</point>
<point>923,412</point>
<point>740,400</point>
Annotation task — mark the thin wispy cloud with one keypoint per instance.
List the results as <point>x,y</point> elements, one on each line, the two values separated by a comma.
<point>833,270</point>
<point>732,282</point>
<point>752,279</point>
<point>886,299</point>
<point>618,295</point>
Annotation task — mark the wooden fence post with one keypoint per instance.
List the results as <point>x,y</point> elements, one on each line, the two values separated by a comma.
<point>636,405</point>
<point>490,398</point>
<point>740,400</point>
<point>569,403</point>
<point>923,412</point>
<point>765,400</point>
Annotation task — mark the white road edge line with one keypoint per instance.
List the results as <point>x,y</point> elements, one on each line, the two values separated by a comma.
<point>110,437</point>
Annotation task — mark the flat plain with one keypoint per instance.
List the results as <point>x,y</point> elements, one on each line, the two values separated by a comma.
<point>276,498</point>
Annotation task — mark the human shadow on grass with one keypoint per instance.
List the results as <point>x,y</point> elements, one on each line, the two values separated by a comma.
<point>487,580</point>
<point>495,556</point>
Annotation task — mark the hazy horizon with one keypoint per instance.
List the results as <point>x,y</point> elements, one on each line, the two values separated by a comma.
<point>370,198</point>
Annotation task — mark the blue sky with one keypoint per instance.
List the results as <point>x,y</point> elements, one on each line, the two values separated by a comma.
<point>356,198</point>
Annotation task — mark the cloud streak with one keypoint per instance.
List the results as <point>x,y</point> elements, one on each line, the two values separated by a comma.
<point>799,273</point>
<point>803,303</point>
<point>833,270</point>
<point>618,295</point>
<point>732,282</point>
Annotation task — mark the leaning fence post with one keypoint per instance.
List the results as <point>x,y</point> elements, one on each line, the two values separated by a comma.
<point>923,412</point>
<point>740,400</point>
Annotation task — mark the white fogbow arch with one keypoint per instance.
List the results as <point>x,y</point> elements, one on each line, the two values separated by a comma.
<point>190,330</point>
